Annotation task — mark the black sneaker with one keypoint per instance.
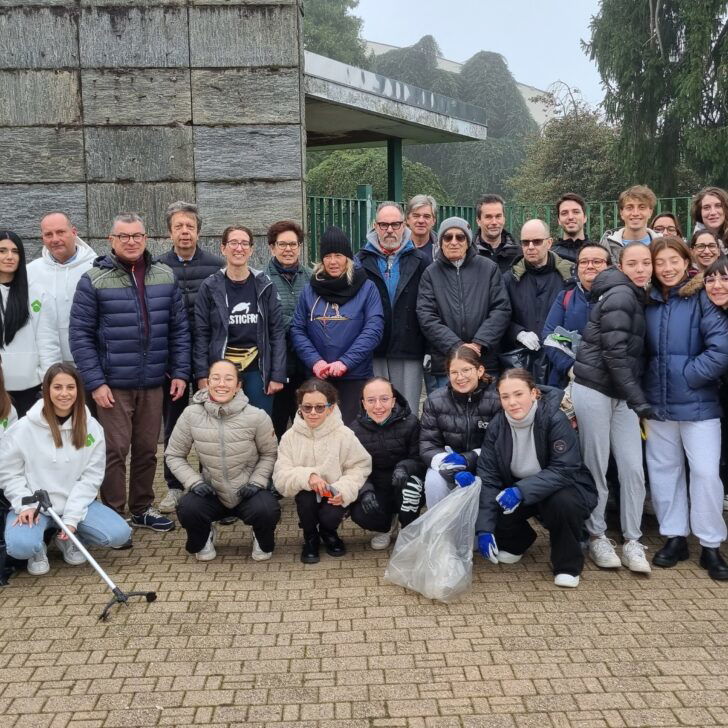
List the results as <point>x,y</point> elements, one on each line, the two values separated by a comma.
<point>332,543</point>
<point>152,518</point>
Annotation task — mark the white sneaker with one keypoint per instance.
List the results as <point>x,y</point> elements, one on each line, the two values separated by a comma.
<point>505,557</point>
<point>258,553</point>
<point>603,554</point>
<point>380,541</point>
<point>168,504</point>
<point>566,580</point>
<point>633,557</point>
<point>38,562</point>
<point>71,555</point>
<point>207,552</point>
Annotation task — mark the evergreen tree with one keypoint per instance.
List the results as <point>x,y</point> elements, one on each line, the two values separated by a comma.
<point>330,30</point>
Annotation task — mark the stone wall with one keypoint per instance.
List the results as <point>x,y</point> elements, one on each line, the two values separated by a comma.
<point>127,105</point>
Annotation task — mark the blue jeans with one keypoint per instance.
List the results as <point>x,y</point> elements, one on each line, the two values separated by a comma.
<point>254,389</point>
<point>441,380</point>
<point>101,527</point>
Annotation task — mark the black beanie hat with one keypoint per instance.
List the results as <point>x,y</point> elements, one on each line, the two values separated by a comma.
<point>334,240</point>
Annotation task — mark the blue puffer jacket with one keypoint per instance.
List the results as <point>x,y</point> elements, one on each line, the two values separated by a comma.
<point>348,333</point>
<point>572,317</point>
<point>687,350</point>
<point>107,333</point>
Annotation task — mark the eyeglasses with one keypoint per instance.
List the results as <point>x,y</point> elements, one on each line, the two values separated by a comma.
<point>462,373</point>
<point>714,279</point>
<point>449,237</point>
<point>386,225</point>
<point>319,409</point>
<point>596,263</point>
<point>238,244</point>
<point>125,237</point>
<point>536,242</point>
<point>288,246</point>
<point>665,229</point>
<point>384,399</point>
<point>702,247</point>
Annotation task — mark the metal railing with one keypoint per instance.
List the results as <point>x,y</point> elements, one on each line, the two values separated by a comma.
<point>355,216</point>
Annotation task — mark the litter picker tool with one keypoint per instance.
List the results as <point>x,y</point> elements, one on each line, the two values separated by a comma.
<point>44,504</point>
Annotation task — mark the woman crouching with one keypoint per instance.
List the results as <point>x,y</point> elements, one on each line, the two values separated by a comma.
<point>60,448</point>
<point>530,465</point>
<point>236,447</point>
<point>321,464</point>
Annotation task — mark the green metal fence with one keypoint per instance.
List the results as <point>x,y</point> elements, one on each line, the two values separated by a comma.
<point>355,216</point>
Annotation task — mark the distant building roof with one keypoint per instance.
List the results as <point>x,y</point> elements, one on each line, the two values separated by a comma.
<point>537,110</point>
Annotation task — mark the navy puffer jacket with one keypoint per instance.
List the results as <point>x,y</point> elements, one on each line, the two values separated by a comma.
<point>107,332</point>
<point>687,353</point>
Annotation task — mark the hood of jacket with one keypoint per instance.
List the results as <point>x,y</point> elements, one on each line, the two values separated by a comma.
<point>609,278</point>
<point>693,286</point>
<point>331,423</point>
<point>84,254</point>
<point>218,409</point>
<point>400,411</point>
<point>550,397</point>
<point>35,415</point>
<point>684,289</point>
<point>617,236</point>
<point>110,261</point>
<point>560,265</point>
<point>373,242</point>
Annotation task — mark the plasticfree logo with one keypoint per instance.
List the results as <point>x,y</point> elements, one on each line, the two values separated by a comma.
<point>4,423</point>
<point>35,305</point>
<point>90,440</point>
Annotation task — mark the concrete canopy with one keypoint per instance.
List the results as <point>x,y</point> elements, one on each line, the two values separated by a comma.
<point>348,106</point>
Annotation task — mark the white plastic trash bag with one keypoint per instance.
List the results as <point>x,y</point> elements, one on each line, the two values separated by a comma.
<point>434,554</point>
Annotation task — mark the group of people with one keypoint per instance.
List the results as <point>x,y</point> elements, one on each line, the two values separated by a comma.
<point>308,382</point>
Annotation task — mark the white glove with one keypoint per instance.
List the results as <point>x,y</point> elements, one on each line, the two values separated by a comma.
<point>529,340</point>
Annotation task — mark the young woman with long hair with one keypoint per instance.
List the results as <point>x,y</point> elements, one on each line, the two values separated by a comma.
<point>59,447</point>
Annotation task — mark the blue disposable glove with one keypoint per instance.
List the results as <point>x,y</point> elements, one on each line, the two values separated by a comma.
<point>509,499</point>
<point>452,463</point>
<point>487,546</point>
<point>464,479</point>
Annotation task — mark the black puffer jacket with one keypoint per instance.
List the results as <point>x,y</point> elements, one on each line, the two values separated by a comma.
<point>458,421</point>
<point>568,249</point>
<point>557,450</point>
<point>610,359</point>
<point>396,442</point>
<point>532,291</point>
<point>504,255</point>
<point>461,305</point>
<point>190,274</point>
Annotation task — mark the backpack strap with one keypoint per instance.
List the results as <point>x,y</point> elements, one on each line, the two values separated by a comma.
<point>567,298</point>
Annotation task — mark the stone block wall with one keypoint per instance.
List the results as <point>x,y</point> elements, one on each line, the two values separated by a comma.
<point>112,106</point>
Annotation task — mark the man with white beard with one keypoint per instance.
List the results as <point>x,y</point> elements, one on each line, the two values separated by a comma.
<point>395,265</point>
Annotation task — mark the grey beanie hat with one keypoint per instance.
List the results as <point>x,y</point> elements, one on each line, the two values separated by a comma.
<point>455,222</point>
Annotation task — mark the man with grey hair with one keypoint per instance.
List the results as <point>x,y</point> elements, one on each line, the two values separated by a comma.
<point>65,258</point>
<point>191,265</point>
<point>421,216</point>
<point>130,338</point>
<point>534,281</point>
<point>393,263</point>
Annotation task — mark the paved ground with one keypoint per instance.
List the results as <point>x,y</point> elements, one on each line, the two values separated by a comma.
<point>234,642</point>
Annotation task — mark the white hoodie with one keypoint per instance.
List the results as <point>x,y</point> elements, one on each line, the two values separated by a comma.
<point>31,461</point>
<point>59,281</point>
<point>35,347</point>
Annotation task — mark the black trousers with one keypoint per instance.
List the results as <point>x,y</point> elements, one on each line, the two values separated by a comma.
<point>390,505</point>
<point>24,399</point>
<point>313,515</point>
<point>171,411</point>
<point>563,514</point>
<point>196,514</point>
<point>349,396</point>
<point>284,403</point>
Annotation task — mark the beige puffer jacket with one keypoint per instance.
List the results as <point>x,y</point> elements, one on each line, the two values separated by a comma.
<point>331,451</point>
<point>235,444</point>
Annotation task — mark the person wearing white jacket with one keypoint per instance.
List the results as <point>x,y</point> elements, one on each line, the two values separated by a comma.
<point>29,341</point>
<point>323,465</point>
<point>8,415</point>
<point>60,448</point>
<point>64,260</point>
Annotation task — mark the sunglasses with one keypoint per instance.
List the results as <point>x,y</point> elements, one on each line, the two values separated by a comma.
<point>319,409</point>
<point>449,237</point>
<point>536,242</point>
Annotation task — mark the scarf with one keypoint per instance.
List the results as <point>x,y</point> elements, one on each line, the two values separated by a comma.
<point>338,290</point>
<point>287,271</point>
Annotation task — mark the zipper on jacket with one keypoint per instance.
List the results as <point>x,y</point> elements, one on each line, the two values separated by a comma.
<point>223,460</point>
<point>460,303</point>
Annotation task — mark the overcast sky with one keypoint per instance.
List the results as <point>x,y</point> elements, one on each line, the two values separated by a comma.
<point>540,39</point>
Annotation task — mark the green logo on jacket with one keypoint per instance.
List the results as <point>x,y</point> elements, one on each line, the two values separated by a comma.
<point>90,440</point>
<point>35,305</point>
<point>4,423</point>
